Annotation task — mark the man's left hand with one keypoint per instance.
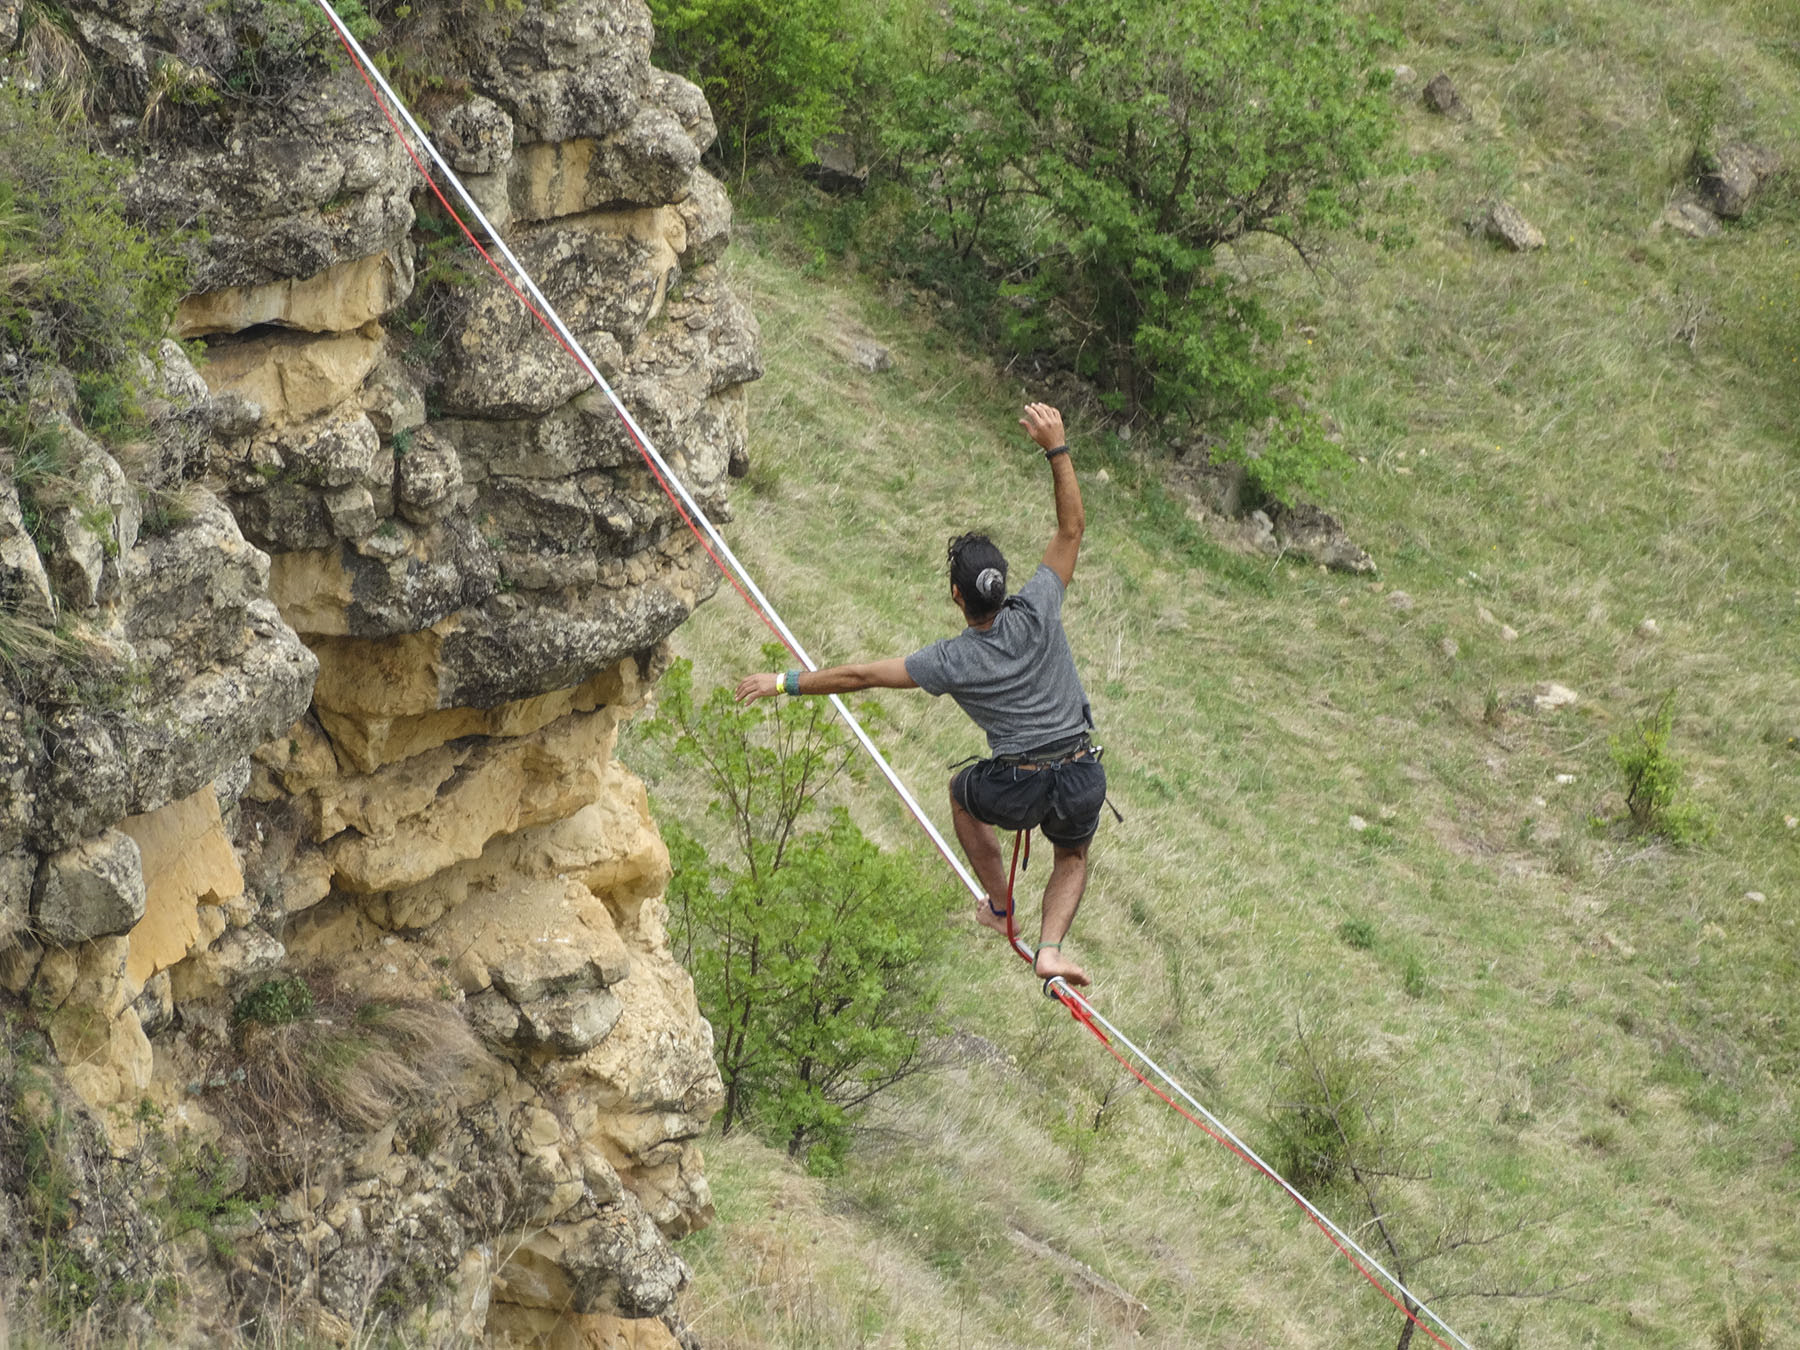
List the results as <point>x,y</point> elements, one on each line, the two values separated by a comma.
<point>753,687</point>
<point>1043,424</point>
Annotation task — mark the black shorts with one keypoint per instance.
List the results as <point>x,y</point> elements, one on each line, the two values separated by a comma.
<point>1062,799</point>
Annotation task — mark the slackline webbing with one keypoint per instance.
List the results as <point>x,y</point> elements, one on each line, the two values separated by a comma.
<point>525,290</point>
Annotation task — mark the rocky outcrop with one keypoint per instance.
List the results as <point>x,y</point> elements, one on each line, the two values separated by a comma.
<point>1730,179</point>
<point>1504,224</point>
<point>358,802</point>
<point>1440,97</point>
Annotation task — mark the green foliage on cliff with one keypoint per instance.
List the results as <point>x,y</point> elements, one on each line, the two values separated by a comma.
<point>81,287</point>
<point>811,949</point>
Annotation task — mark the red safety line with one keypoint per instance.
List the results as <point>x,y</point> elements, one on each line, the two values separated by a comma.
<point>1012,905</point>
<point>1081,1016</point>
<point>550,328</point>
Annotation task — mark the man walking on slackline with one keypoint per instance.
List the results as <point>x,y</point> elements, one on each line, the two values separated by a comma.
<point>1011,671</point>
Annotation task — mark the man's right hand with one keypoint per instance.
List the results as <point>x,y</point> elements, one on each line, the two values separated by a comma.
<point>753,687</point>
<point>1044,425</point>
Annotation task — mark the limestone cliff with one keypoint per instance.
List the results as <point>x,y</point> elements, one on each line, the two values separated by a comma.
<point>364,770</point>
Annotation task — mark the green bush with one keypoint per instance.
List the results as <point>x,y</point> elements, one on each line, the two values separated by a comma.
<point>282,44</point>
<point>1080,164</point>
<point>1653,778</point>
<point>80,286</point>
<point>776,72</point>
<point>199,1191</point>
<point>811,950</point>
<point>1321,1122</point>
<point>282,999</point>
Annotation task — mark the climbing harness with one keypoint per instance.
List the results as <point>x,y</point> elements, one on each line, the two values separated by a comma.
<point>520,283</point>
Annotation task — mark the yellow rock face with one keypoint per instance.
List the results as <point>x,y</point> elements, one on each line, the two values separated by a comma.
<point>294,378</point>
<point>550,178</point>
<point>312,591</point>
<point>380,677</point>
<point>333,301</point>
<point>188,862</point>
<point>502,785</point>
<point>375,721</point>
<point>92,1027</point>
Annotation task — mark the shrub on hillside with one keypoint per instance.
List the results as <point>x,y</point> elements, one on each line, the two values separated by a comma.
<point>811,950</point>
<point>1653,778</point>
<point>1080,164</point>
<point>776,72</point>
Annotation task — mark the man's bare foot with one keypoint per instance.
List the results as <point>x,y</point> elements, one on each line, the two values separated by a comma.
<point>988,919</point>
<point>1051,963</point>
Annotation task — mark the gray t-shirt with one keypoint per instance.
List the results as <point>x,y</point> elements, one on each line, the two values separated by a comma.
<point>1016,677</point>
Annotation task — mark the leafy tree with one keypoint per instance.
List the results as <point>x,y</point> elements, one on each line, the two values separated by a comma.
<point>776,72</point>
<point>810,949</point>
<point>1082,162</point>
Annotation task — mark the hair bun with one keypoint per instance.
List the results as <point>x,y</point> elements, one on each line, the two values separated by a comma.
<point>991,582</point>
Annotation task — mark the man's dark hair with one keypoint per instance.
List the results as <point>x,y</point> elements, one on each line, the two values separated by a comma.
<point>978,570</point>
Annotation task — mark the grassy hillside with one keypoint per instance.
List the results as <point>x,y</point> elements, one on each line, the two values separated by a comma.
<point>1587,1038</point>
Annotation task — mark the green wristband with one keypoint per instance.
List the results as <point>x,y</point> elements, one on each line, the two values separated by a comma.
<point>791,682</point>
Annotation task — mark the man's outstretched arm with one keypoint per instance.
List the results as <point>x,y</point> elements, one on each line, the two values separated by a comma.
<point>1044,425</point>
<point>889,674</point>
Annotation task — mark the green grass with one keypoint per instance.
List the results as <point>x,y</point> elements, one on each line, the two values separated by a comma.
<point>1591,1033</point>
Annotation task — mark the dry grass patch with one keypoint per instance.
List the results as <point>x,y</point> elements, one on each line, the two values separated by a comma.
<point>300,1062</point>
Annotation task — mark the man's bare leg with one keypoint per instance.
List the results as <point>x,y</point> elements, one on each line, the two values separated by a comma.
<point>982,849</point>
<point>1062,897</point>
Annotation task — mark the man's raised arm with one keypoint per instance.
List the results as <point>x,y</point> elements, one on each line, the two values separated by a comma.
<point>1044,425</point>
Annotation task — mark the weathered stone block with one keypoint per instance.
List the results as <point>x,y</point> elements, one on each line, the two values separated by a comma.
<point>291,377</point>
<point>573,1022</point>
<point>93,519</point>
<point>187,862</point>
<point>293,191</point>
<point>17,871</point>
<point>342,297</point>
<point>351,511</point>
<point>476,136</point>
<point>1505,224</point>
<point>577,69</point>
<point>1734,177</point>
<point>95,889</point>
<point>649,162</point>
<point>228,965</point>
<point>24,585</point>
<point>430,475</point>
